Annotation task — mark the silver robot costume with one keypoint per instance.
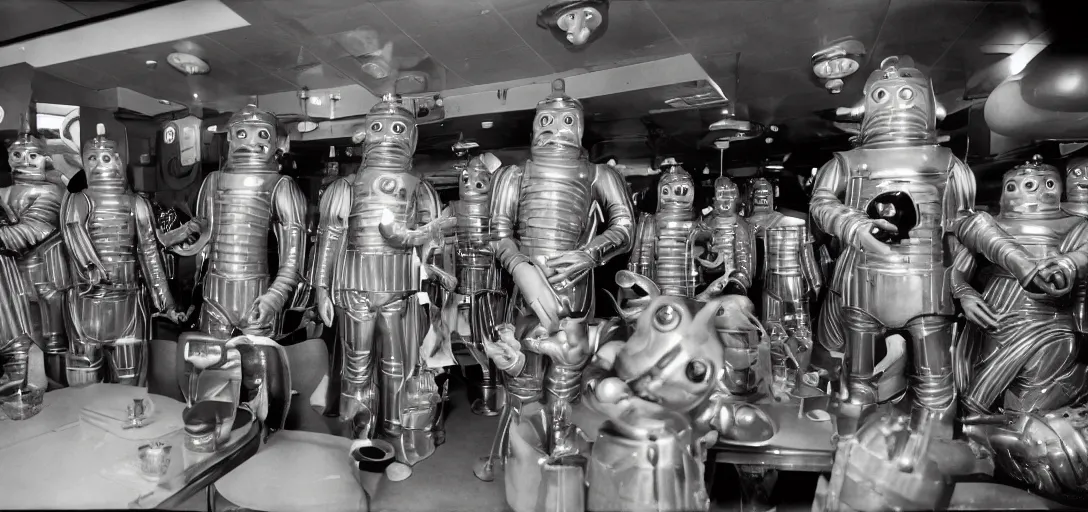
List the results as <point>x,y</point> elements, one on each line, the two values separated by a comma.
<point>479,281</point>
<point>237,208</point>
<point>32,231</point>
<point>110,233</point>
<point>664,244</point>
<point>367,272</point>
<point>543,235</point>
<point>733,243</point>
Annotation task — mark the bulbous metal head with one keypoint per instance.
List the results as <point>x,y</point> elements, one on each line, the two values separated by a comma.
<point>256,138</point>
<point>1031,188</point>
<point>761,196</point>
<point>389,134</point>
<point>674,357</point>
<point>476,176</point>
<point>26,155</point>
<point>899,105</point>
<point>558,125</point>
<point>103,163</point>
<point>579,23</point>
<point>675,191</point>
<point>1076,180</point>
<point>725,196</point>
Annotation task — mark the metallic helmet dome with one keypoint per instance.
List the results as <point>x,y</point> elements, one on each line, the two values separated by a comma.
<point>26,140</point>
<point>1034,166</point>
<point>558,99</point>
<point>252,114</point>
<point>390,105</point>
<point>100,142</point>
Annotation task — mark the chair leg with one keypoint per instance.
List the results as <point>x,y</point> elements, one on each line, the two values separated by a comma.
<point>211,497</point>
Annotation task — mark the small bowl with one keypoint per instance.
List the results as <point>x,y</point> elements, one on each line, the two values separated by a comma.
<point>23,403</point>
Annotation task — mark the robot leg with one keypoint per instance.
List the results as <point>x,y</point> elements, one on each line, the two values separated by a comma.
<point>357,388</point>
<point>861,334</point>
<point>563,387</point>
<point>482,318</point>
<point>85,359</point>
<point>393,338</point>
<point>934,393</point>
<point>128,355</point>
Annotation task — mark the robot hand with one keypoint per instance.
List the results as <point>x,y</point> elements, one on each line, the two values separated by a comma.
<point>323,303</point>
<point>263,311</point>
<point>866,239</point>
<point>980,313</point>
<point>176,315</point>
<point>568,267</point>
<point>506,353</point>
<point>1056,275</point>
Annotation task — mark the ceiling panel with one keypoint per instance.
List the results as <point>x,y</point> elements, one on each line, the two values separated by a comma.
<point>472,36</point>
<point>418,17</point>
<point>634,35</point>
<point>998,23</point>
<point>101,8</point>
<point>901,33</point>
<point>20,18</point>
<point>508,64</point>
<point>89,77</point>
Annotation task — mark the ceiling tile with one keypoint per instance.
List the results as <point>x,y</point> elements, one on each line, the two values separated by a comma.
<point>770,35</point>
<point>20,18</point>
<point>341,20</point>
<point>102,8</point>
<point>253,42</point>
<point>295,9</point>
<point>317,76</point>
<point>508,64</point>
<point>417,17</point>
<point>469,37</point>
<point>256,12</point>
<point>999,23</point>
<point>79,74</point>
<point>634,35</point>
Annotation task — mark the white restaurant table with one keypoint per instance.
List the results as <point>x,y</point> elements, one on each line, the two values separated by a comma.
<point>56,460</point>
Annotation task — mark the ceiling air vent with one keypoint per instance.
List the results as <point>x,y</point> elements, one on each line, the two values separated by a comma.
<point>697,100</point>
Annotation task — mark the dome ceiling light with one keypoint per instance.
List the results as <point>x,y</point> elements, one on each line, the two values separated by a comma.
<point>188,64</point>
<point>836,62</point>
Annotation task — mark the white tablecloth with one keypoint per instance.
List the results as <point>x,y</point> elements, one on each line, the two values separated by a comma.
<point>55,461</point>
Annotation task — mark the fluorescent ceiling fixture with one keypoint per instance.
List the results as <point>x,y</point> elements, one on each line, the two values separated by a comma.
<point>306,126</point>
<point>164,24</point>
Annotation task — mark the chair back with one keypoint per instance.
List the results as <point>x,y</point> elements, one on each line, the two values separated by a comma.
<point>309,362</point>
<point>162,361</point>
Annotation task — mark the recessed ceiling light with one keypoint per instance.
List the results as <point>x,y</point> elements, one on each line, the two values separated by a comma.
<point>164,102</point>
<point>487,124</point>
<point>213,128</point>
<point>151,64</point>
<point>195,95</point>
<point>306,126</point>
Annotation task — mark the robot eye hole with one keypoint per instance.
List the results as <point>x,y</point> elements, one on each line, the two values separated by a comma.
<point>399,128</point>
<point>93,158</point>
<point>666,318</point>
<point>106,159</point>
<point>479,184</point>
<point>679,190</point>
<point>1010,187</point>
<point>572,16</point>
<point>1030,185</point>
<point>1050,183</point>
<point>665,191</point>
<point>17,154</point>
<point>263,134</point>
<point>241,134</point>
<point>375,127</point>
<point>568,120</point>
<point>32,156</point>
<point>906,93</point>
<point>545,120</point>
<point>880,95</point>
<point>697,371</point>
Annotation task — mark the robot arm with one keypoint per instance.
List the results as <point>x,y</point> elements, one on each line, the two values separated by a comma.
<point>335,208</point>
<point>434,223</point>
<point>202,224</point>
<point>963,269</point>
<point>828,212</point>
<point>75,208</point>
<point>611,192</point>
<point>150,259</point>
<point>810,266</point>
<point>642,252</point>
<point>38,222</point>
<point>289,207</point>
<point>744,254</point>
<point>505,193</point>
